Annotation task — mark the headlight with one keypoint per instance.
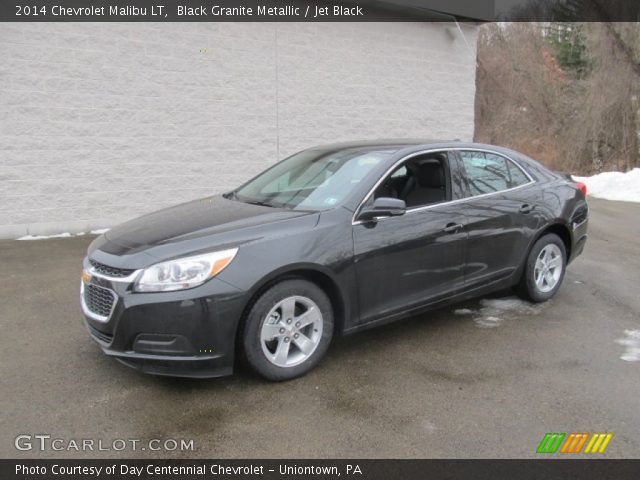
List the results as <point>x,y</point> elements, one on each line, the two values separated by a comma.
<point>187,272</point>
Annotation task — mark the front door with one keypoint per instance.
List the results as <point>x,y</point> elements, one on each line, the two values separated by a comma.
<point>417,258</point>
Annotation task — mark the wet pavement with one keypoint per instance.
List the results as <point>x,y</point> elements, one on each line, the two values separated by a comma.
<point>487,378</point>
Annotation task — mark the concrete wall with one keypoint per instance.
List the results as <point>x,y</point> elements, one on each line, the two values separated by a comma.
<point>102,122</point>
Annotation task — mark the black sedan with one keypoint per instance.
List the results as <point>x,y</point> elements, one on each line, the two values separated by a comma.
<point>330,241</point>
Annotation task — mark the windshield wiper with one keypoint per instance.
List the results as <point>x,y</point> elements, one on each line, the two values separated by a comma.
<point>263,203</point>
<point>260,202</point>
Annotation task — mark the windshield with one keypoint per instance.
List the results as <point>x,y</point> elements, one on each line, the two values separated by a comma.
<point>311,180</point>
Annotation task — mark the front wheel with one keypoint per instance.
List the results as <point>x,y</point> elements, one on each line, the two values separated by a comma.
<point>288,330</point>
<point>544,270</point>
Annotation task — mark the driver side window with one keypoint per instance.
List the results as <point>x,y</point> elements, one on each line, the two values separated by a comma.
<point>420,181</point>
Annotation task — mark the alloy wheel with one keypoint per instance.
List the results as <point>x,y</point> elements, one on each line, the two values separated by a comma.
<point>291,331</point>
<point>548,268</point>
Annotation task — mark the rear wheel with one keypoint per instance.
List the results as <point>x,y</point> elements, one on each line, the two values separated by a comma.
<point>288,330</point>
<point>544,270</point>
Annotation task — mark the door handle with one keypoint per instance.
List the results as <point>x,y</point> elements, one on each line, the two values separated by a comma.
<point>452,227</point>
<point>526,208</point>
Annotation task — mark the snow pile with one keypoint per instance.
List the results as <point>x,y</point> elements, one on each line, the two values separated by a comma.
<point>624,187</point>
<point>493,312</point>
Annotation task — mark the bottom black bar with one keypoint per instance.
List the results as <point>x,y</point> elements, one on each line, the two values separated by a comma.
<point>547,469</point>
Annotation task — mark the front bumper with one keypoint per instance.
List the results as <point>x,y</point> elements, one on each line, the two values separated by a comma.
<point>188,333</point>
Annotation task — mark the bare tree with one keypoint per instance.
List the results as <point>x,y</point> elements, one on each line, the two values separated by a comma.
<point>582,121</point>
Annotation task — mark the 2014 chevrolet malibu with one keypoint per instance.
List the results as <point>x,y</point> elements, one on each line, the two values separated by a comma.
<point>331,240</point>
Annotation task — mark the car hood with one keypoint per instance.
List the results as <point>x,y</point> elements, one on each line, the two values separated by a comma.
<point>205,223</point>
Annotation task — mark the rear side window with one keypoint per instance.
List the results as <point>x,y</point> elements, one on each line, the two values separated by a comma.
<point>517,176</point>
<point>489,173</point>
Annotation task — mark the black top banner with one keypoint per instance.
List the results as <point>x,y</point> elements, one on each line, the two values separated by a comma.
<point>318,11</point>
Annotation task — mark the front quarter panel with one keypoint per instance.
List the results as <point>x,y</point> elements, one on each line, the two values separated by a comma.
<point>326,249</point>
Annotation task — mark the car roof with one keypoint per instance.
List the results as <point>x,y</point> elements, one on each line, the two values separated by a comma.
<point>408,145</point>
<point>403,146</point>
<point>383,144</point>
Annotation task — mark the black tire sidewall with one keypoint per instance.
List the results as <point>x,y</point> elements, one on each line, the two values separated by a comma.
<point>529,284</point>
<point>250,334</point>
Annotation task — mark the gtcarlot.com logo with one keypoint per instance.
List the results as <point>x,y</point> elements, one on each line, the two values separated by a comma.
<point>574,443</point>
<point>44,442</point>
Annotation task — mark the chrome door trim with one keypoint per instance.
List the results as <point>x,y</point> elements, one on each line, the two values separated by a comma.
<point>450,202</point>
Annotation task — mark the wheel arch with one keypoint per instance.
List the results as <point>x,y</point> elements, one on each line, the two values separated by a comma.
<point>559,228</point>
<point>316,274</point>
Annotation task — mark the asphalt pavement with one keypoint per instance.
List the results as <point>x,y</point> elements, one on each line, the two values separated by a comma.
<point>484,379</point>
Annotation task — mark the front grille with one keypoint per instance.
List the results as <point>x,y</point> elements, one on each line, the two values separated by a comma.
<point>99,300</point>
<point>103,337</point>
<point>110,271</point>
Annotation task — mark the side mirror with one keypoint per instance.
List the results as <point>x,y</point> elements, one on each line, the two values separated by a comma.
<point>383,207</point>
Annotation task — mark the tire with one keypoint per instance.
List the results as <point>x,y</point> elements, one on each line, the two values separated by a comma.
<point>267,333</point>
<point>535,285</point>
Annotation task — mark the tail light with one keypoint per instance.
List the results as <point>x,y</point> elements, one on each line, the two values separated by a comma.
<point>582,187</point>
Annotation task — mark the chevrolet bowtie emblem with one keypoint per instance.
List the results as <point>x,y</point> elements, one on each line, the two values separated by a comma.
<point>86,276</point>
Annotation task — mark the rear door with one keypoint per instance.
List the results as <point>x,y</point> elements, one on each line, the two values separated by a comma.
<point>502,214</point>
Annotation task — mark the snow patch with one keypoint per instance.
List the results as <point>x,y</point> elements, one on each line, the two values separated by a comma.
<point>488,322</point>
<point>509,305</point>
<point>624,187</point>
<point>631,341</point>
<point>494,311</point>
<point>44,237</point>
<point>63,235</point>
